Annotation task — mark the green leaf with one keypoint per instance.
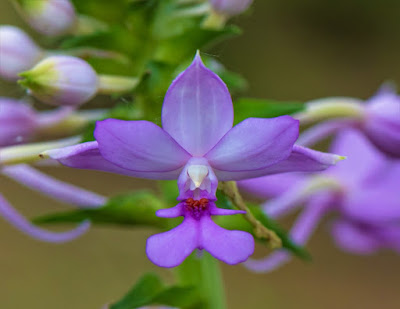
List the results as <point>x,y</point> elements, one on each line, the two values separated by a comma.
<point>259,108</point>
<point>135,209</point>
<point>150,290</point>
<point>142,294</point>
<point>176,296</point>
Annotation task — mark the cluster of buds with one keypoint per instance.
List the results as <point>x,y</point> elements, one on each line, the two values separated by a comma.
<point>53,79</point>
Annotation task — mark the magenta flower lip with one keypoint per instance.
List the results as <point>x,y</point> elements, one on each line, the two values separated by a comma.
<point>197,146</point>
<point>198,231</point>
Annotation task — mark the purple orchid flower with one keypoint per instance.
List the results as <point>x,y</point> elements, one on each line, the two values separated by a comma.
<point>378,118</point>
<point>197,146</point>
<point>363,191</point>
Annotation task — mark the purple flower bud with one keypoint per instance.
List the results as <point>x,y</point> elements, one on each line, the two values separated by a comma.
<point>382,123</point>
<point>61,80</point>
<point>49,17</point>
<point>18,52</point>
<point>230,7</point>
<point>17,122</point>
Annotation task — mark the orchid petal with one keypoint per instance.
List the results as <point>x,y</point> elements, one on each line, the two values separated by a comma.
<point>255,143</point>
<point>231,247</point>
<point>322,130</point>
<point>52,187</point>
<point>378,202</point>
<point>363,160</point>
<point>353,238</point>
<point>139,146</point>
<point>172,212</point>
<point>272,185</point>
<point>171,248</point>
<point>87,156</point>
<point>300,160</point>
<point>197,110</point>
<point>382,124</point>
<point>18,221</point>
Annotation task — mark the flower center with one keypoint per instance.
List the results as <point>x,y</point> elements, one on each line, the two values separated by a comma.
<point>196,207</point>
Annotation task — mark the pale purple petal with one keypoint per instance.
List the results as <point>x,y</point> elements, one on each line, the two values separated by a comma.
<point>197,110</point>
<point>18,122</point>
<point>363,161</point>
<point>18,221</point>
<point>169,249</point>
<point>231,247</point>
<point>300,233</point>
<point>52,187</point>
<point>354,238</point>
<point>383,120</point>
<point>391,236</point>
<point>255,143</point>
<point>230,7</point>
<point>87,156</point>
<point>382,123</point>
<point>378,202</point>
<point>323,130</point>
<point>139,146</point>
<point>295,196</point>
<point>300,160</point>
<point>271,186</point>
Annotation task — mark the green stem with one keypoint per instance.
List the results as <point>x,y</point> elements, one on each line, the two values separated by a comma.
<point>212,283</point>
<point>204,273</point>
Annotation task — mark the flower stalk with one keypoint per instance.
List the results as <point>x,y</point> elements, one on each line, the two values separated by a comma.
<point>230,189</point>
<point>203,271</point>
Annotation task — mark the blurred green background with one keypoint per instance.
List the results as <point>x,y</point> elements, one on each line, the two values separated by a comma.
<point>290,50</point>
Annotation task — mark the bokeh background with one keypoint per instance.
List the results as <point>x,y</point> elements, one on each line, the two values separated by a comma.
<point>290,50</point>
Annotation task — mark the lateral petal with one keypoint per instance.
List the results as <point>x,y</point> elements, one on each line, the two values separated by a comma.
<point>255,143</point>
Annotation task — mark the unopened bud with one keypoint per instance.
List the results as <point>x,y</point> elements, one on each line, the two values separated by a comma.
<point>61,80</point>
<point>230,7</point>
<point>18,52</point>
<point>49,17</point>
<point>17,122</point>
